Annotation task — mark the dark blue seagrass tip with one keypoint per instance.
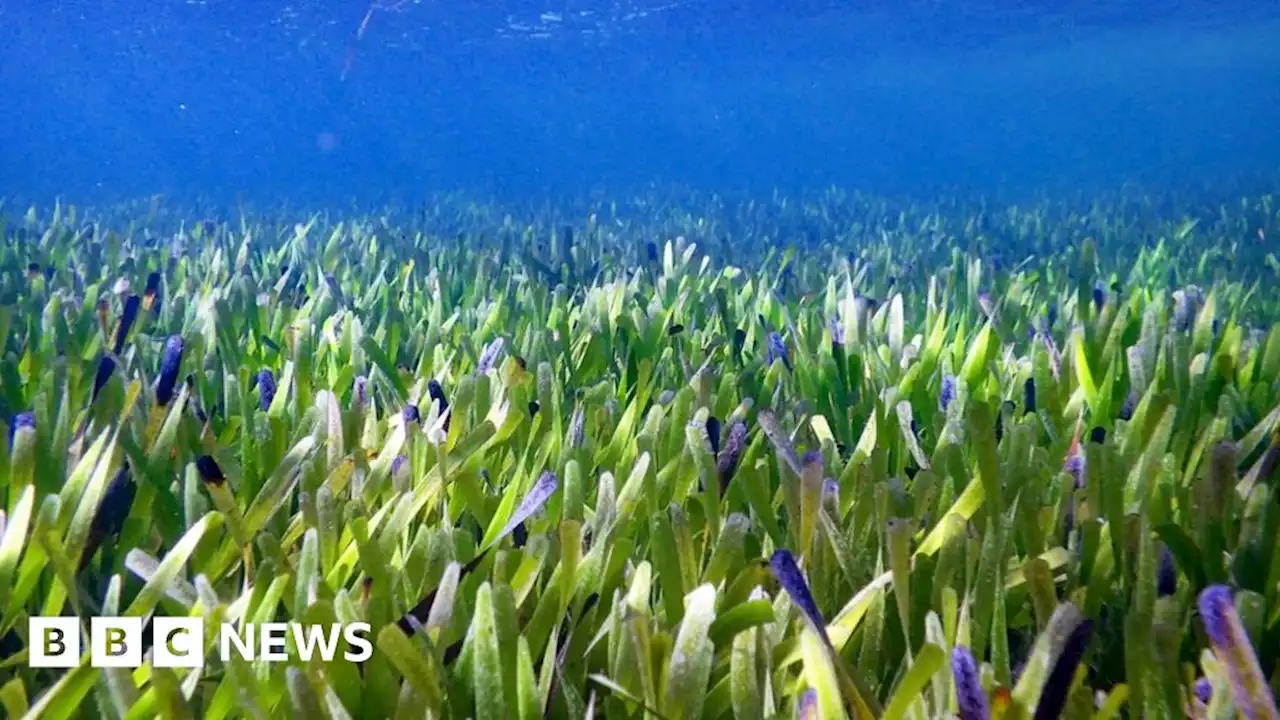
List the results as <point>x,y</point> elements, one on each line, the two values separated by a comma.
<point>1075,467</point>
<point>23,420</point>
<point>106,367</point>
<point>783,565</point>
<point>411,413</point>
<point>1166,574</point>
<point>1204,690</point>
<point>489,357</point>
<point>1216,606</point>
<point>398,464</point>
<point>127,318</point>
<point>266,389</point>
<point>948,391</point>
<point>971,699</point>
<point>209,470</point>
<point>170,364</point>
<point>811,458</point>
<point>777,350</point>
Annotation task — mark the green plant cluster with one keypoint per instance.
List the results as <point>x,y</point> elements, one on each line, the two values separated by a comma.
<point>679,455</point>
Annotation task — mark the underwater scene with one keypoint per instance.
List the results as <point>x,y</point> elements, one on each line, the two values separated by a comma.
<point>658,359</point>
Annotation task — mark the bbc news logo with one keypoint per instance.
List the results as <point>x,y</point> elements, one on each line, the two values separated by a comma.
<point>179,642</point>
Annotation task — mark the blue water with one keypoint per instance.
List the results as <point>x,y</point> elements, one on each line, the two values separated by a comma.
<point>267,101</point>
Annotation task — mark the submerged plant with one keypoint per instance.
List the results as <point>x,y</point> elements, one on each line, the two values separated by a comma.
<point>650,463</point>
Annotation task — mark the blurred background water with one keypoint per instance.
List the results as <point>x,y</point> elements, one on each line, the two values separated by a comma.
<point>267,100</point>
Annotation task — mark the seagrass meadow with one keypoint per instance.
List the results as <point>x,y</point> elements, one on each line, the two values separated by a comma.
<point>672,456</point>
